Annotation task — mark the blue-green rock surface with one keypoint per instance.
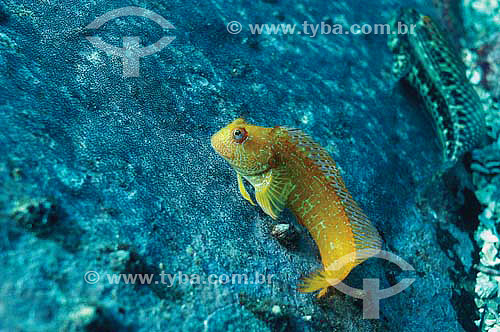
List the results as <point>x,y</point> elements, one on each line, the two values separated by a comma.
<point>113,174</point>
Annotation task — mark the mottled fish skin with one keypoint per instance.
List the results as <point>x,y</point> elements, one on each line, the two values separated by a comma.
<point>429,62</point>
<point>288,169</point>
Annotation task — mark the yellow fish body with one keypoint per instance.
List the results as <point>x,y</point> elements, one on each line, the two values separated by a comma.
<point>288,169</point>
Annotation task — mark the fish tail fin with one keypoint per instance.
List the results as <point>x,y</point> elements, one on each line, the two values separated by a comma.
<point>321,280</point>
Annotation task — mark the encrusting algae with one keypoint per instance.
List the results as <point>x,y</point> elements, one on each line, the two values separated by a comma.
<point>288,169</point>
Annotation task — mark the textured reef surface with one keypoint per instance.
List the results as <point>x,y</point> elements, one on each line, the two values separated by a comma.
<point>113,174</point>
<point>481,19</point>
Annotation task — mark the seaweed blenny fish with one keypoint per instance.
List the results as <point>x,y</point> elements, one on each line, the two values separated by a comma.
<point>429,62</point>
<point>288,169</point>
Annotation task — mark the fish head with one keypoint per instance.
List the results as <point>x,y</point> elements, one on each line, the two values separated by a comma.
<point>246,147</point>
<point>405,17</point>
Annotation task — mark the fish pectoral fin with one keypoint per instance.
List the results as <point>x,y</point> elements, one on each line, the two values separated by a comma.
<point>273,191</point>
<point>243,190</point>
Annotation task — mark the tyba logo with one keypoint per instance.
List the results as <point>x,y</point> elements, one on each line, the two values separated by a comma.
<point>131,52</point>
<point>371,292</point>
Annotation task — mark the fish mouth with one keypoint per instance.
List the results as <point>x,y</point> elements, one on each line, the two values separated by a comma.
<point>213,142</point>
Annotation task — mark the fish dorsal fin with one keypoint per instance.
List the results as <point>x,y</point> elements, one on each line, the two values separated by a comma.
<point>272,190</point>
<point>366,238</point>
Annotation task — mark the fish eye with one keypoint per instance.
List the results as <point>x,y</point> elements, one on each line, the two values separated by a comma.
<point>240,135</point>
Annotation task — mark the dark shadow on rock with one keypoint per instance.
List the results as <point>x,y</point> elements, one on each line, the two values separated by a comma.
<point>48,221</point>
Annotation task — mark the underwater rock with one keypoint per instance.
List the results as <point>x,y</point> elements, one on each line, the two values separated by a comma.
<point>36,215</point>
<point>481,19</point>
<point>489,61</point>
<point>485,167</point>
<point>485,286</point>
<point>482,23</point>
<point>486,161</point>
<point>93,319</point>
<point>450,12</point>
<point>125,260</point>
<point>285,234</point>
<point>127,160</point>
